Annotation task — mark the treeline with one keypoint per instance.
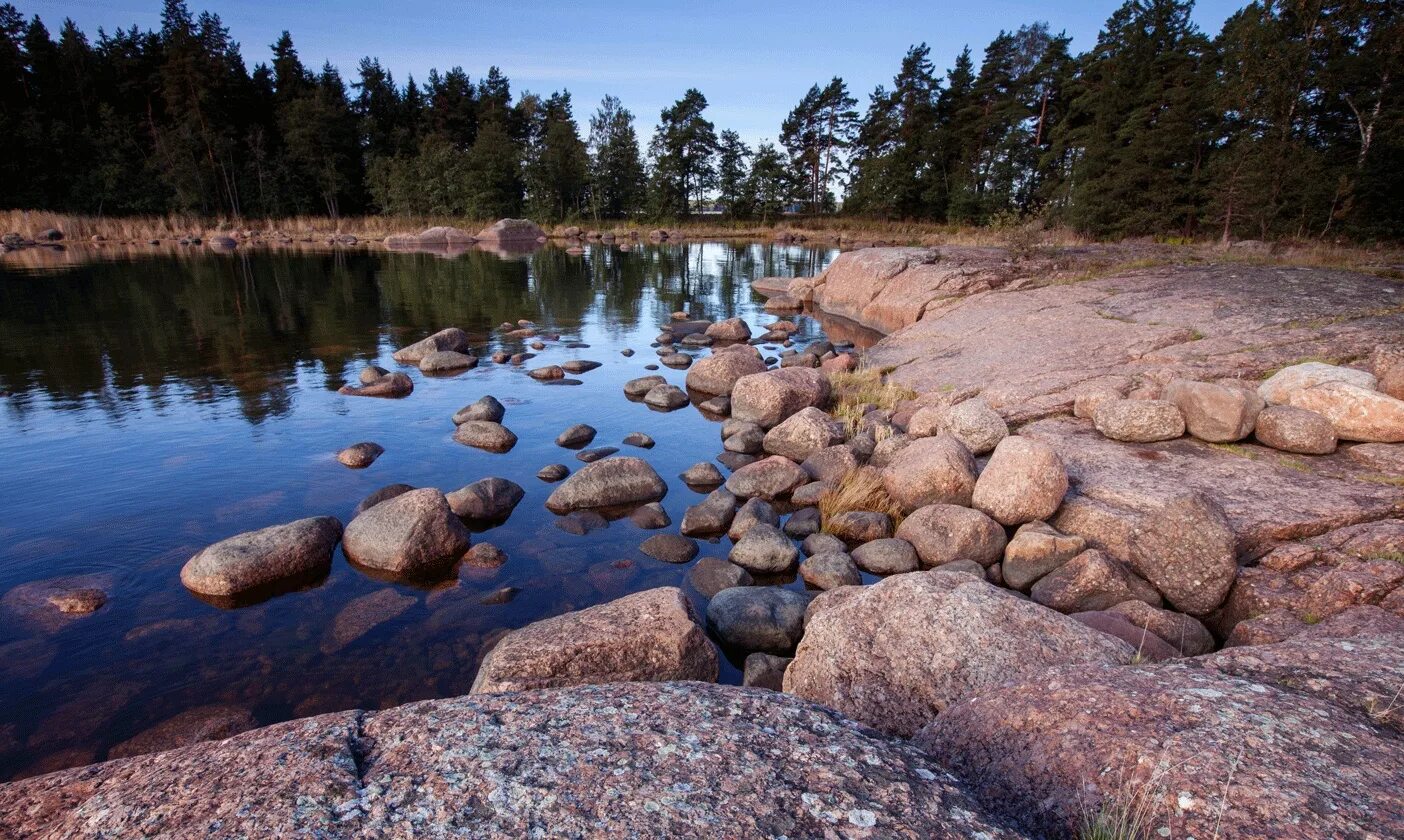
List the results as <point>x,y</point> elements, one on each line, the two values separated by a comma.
<point>1289,123</point>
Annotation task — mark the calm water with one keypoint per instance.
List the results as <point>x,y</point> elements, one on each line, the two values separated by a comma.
<point>153,406</point>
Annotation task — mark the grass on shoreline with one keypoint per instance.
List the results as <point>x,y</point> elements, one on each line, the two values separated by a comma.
<point>1022,241</point>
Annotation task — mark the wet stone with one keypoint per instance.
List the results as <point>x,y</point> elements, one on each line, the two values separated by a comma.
<point>590,456</point>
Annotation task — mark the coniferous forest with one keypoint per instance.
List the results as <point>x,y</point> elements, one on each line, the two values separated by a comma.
<point>1287,123</point>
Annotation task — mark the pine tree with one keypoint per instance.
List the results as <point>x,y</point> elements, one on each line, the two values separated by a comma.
<point>681,151</point>
<point>557,171</point>
<point>732,158</point>
<point>770,185</point>
<point>817,133</point>
<point>894,161</point>
<point>1139,125</point>
<point>616,168</point>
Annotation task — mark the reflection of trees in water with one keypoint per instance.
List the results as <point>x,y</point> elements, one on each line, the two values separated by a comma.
<point>210,327</point>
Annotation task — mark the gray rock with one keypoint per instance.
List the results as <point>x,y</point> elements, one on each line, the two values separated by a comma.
<point>702,474</point>
<point>486,408</point>
<point>802,523</point>
<point>820,543</point>
<point>446,360</point>
<point>765,670</point>
<point>650,516</point>
<point>638,439</point>
<point>711,575</point>
<point>590,456</point>
<point>641,386</point>
<point>613,481</point>
<point>886,557</point>
<point>830,570</point>
<point>487,499</point>
<point>711,516</point>
<point>451,339</point>
<point>765,550</point>
<point>576,436</point>
<point>485,434</point>
<point>553,472</point>
<point>753,512</point>
<point>665,397</point>
<point>764,618</point>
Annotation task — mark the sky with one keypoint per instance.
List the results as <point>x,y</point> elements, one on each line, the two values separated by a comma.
<point>752,60</point>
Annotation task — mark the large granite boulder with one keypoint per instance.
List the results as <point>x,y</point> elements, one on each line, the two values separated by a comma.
<point>511,232</point>
<point>1186,549</point>
<point>860,654</point>
<point>649,636</point>
<point>450,339</point>
<point>768,398</point>
<point>944,534</point>
<point>719,372</point>
<point>711,761</point>
<point>1295,430</point>
<point>414,535</point>
<point>1355,413</point>
<point>1289,740</point>
<point>804,433</point>
<point>608,483</point>
<point>1278,388</point>
<point>245,564</point>
<point>1025,481</point>
<point>930,470</point>
<point>1213,412</point>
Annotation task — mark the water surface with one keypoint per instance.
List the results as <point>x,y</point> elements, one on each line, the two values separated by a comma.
<point>155,405</point>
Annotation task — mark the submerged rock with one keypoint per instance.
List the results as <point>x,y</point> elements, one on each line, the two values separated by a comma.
<point>256,560</point>
<point>711,575</point>
<point>360,455</point>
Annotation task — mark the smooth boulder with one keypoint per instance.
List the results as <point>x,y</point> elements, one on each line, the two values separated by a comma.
<point>451,339</point>
<point>770,397</point>
<point>256,560</point>
<point>931,470</point>
<point>944,534</point>
<point>1139,421</point>
<point>1025,481</point>
<point>613,481</point>
<point>414,535</point>
<point>650,636</point>
<point>486,500</point>
<point>764,618</point>
<point>971,637</point>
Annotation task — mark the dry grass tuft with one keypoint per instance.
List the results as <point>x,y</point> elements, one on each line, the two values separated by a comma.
<point>855,391</point>
<point>861,489</point>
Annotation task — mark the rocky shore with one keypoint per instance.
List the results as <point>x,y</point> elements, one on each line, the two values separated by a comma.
<point>1139,548</point>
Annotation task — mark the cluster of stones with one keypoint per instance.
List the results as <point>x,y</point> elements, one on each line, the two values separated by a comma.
<point>1304,409</point>
<point>1002,652</point>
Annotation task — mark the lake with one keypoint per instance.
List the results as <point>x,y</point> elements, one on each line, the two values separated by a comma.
<point>156,404</point>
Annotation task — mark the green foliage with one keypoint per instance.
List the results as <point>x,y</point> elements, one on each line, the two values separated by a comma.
<point>1288,124</point>
<point>681,155</point>
<point>616,169</point>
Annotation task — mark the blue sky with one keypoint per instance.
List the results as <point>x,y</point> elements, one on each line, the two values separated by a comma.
<point>753,60</point>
